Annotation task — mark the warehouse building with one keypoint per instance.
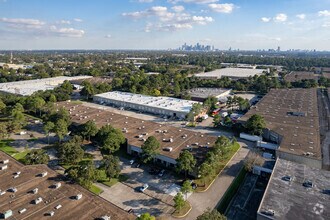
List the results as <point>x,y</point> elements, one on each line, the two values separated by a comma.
<point>200,94</point>
<point>28,87</point>
<point>36,192</point>
<point>296,76</point>
<point>233,73</point>
<point>296,191</point>
<point>292,121</point>
<point>156,105</point>
<point>172,140</point>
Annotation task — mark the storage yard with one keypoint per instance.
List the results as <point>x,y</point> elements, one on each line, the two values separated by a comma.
<point>156,105</point>
<point>292,121</point>
<point>28,87</point>
<point>26,194</point>
<point>233,73</point>
<point>296,191</point>
<point>172,140</point>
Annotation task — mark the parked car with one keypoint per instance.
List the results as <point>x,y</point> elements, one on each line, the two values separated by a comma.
<point>308,184</point>
<point>144,187</point>
<point>131,162</point>
<point>161,173</point>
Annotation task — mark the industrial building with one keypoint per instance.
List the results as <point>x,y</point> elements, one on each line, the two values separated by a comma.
<point>200,94</point>
<point>28,87</point>
<point>296,76</point>
<point>233,73</point>
<point>156,105</point>
<point>296,191</point>
<point>172,140</point>
<point>292,122</point>
<point>37,192</point>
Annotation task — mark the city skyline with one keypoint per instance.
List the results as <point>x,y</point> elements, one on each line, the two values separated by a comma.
<point>165,24</point>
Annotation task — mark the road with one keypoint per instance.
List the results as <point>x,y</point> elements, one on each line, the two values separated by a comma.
<point>324,116</point>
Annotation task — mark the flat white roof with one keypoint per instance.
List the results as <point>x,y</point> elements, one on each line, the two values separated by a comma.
<point>160,102</point>
<point>28,87</point>
<point>231,72</point>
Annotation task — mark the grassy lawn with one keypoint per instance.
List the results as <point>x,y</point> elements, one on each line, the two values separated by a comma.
<point>105,180</point>
<point>21,155</point>
<point>203,183</point>
<point>96,190</point>
<point>4,146</point>
<point>231,191</point>
<point>180,213</point>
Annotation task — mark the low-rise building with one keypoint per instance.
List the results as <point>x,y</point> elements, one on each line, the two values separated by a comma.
<point>156,105</point>
<point>200,94</point>
<point>296,191</point>
<point>28,87</point>
<point>292,122</point>
<point>233,73</point>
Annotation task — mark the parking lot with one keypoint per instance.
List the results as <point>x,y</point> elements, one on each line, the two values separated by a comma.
<point>157,199</point>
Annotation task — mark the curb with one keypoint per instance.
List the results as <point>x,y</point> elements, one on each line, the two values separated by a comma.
<point>219,172</point>
<point>182,216</point>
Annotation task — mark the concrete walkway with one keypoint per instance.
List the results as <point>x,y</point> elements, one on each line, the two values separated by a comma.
<point>209,199</point>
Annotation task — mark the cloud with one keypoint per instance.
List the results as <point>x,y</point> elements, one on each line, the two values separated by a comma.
<point>158,11</point>
<point>145,1</point>
<point>23,23</point>
<point>301,16</point>
<point>264,19</point>
<point>178,8</point>
<point>78,20</point>
<point>326,25</point>
<point>63,22</point>
<point>324,13</point>
<point>108,36</point>
<point>280,17</point>
<point>67,32</point>
<point>193,1</point>
<point>226,8</point>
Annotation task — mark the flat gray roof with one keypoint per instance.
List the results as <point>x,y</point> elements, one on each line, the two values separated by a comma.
<point>161,102</point>
<point>290,199</point>
<point>28,87</point>
<point>231,72</point>
<point>206,92</point>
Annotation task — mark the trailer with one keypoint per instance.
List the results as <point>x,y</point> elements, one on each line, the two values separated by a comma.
<point>249,137</point>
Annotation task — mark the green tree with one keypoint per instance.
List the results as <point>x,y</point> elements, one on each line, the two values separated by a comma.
<point>89,129</point>
<point>217,120</point>
<point>186,188</point>
<point>2,106</point>
<point>255,124</point>
<point>3,130</point>
<point>194,111</point>
<point>185,162</point>
<point>211,215</point>
<point>49,127</point>
<point>146,216</point>
<point>150,149</point>
<point>179,201</point>
<point>36,156</point>
<point>71,152</point>
<point>85,174</point>
<point>112,166</point>
<point>110,139</point>
<point>52,98</point>
<point>61,129</point>
<point>87,90</point>
<point>204,170</point>
<point>210,103</point>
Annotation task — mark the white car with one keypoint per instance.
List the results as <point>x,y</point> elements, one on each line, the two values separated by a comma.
<point>131,162</point>
<point>144,187</point>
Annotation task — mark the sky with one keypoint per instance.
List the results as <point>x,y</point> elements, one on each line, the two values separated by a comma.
<point>164,24</point>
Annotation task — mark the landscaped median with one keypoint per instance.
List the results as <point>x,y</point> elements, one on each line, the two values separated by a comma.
<point>183,212</point>
<point>205,182</point>
<point>5,147</point>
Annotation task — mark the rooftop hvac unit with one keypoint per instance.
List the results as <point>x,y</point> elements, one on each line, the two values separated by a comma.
<point>2,193</point>
<point>35,191</point>
<point>4,167</point>
<point>7,214</point>
<point>78,197</point>
<point>4,161</point>
<point>167,149</point>
<point>12,189</point>
<point>105,217</point>
<point>21,211</point>
<point>57,185</point>
<point>43,174</point>
<point>58,206</point>
<point>38,200</point>
<point>51,213</point>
